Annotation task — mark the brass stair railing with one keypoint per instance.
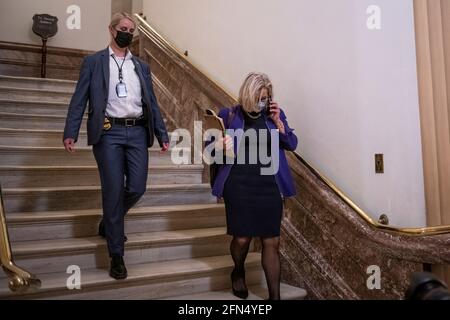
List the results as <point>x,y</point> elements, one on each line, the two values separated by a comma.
<point>150,32</point>
<point>427,231</point>
<point>19,279</point>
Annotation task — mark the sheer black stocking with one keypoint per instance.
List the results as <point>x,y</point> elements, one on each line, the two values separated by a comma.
<point>239,249</point>
<point>271,265</point>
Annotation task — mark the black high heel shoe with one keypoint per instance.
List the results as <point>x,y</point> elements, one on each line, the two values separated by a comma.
<point>243,294</point>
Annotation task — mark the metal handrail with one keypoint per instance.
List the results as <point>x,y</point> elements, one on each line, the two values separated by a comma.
<point>426,231</point>
<point>19,279</point>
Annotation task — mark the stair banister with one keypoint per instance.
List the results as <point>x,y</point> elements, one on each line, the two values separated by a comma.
<point>19,279</point>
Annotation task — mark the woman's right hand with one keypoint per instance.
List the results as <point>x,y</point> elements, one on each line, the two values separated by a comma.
<point>224,143</point>
<point>69,145</point>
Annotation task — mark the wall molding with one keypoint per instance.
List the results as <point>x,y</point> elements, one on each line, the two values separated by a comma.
<point>24,60</point>
<point>432,23</point>
<point>433,62</point>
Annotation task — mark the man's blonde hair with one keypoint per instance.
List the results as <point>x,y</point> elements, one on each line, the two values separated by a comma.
<point>250,91</point>
<point>117,17</point>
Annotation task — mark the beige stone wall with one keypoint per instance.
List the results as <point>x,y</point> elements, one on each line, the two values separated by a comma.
<point>131,6</point>
<point>121,6</point>
<point>16,22</point>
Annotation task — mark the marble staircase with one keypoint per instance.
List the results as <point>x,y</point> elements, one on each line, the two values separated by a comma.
<point>177,247</point>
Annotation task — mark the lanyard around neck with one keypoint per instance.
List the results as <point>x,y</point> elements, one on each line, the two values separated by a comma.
<point>120,67</point>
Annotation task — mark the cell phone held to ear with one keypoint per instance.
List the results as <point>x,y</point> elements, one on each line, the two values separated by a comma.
<point>268,109</point>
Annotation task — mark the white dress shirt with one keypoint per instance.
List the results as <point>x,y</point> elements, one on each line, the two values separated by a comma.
<point>130,106</point>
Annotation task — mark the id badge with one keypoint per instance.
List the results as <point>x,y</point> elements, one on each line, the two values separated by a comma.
<point>121,90</point>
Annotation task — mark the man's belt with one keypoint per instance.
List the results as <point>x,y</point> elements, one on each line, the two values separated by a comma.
<point>128,122</point>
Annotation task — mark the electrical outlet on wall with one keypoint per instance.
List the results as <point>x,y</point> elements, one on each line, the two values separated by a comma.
<point>379,163</point>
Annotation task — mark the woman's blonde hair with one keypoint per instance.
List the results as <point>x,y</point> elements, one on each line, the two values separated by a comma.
<point>117,17</point>
<point>250,91</point>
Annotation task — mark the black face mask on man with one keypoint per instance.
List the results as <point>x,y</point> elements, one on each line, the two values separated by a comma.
<point>123,39</point>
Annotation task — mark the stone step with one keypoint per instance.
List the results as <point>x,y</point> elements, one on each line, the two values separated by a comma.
<point>28,226</point>
<point>38,138</point>
<point>155,280</point>
<point>30,94</point>
<point>48,256</point>
<point>33,107</point>
<point>58,156</point>
<point>77,176</point>
<point>45,138</point>
<point>82,198</point>
<point>38,83</point>
<point>34,121</point>
<point>255,292</point>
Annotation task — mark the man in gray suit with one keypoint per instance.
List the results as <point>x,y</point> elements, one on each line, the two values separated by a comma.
<point>123,119</point>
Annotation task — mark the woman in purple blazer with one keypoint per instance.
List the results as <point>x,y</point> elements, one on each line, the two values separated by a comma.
<point>254,183</point>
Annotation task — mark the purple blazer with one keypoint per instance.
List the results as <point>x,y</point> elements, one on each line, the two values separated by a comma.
<point>288,141</point>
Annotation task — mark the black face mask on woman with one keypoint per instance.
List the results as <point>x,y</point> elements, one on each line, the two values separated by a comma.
<point>123,39</point>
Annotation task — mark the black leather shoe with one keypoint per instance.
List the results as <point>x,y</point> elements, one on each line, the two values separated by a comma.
<point>101,229</point>
<point>102,233</point>
<point>243,294</point>
<point>118,270</point>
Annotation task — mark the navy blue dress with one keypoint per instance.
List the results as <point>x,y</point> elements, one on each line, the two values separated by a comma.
<point>253,201</point>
